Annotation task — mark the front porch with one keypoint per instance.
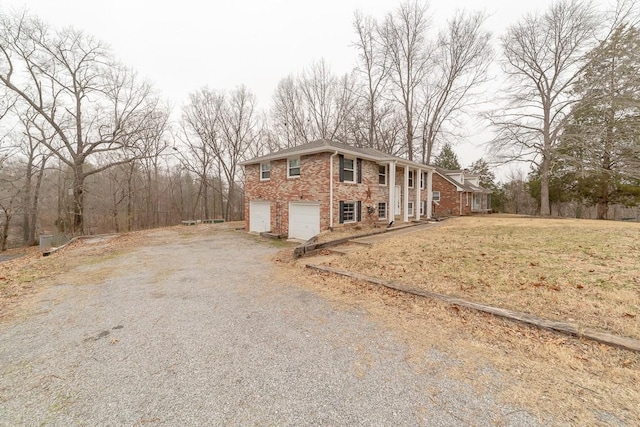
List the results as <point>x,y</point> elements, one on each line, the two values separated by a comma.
<point>410,196</point>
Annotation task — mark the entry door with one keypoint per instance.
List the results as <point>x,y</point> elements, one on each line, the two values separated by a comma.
<point>259,216</point>
<point>398,203</point>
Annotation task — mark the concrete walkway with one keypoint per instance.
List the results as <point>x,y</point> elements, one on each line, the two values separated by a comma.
<point>353,244</point>
<point>370,240</point>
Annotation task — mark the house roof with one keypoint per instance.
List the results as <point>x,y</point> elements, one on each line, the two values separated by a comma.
<point>324,145</point>
<point>461,186</point>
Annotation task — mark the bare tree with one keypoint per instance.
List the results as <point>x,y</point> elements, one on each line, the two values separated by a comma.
<point>288,115</point>
<point>404,37</point>
<point>238,126</point>
<point>92,105</point>
<point>201,120</point>
<point>7,103</point>
<point>328,101</point>
<point>457,66</point>
<point>518,200</point>
<point>314,105</point>
<point>36,156</point>
<point>10,191</point>
<point>374,66</point>
<point>219,132</point>
<point>544,55</point>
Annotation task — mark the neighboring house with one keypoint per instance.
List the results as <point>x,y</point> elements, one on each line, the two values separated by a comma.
<point>303,190</point>
<point>458,192</point>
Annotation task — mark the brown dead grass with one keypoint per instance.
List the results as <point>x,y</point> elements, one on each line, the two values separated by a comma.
<point>560,379</point>
<point>586,272</point>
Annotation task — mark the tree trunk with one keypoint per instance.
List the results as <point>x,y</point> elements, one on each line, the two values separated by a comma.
<point>130,195</point>
<point>545,166</point>
<point>4,235</point>
<point>409,119</point>
<point>78,199</point>
<point>605,184</point>
<point>205,197</point>
<point>114,213</point>
<point>36,200</point>
<point>26,201</point>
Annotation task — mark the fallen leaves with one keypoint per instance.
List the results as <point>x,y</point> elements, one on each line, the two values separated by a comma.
<point>549,264</point>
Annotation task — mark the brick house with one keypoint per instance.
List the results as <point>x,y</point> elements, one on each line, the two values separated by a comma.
<point>303,190</point>
<point>458,192</point>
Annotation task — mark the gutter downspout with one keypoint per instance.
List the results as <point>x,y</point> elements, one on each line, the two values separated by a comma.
<point>331,189</point>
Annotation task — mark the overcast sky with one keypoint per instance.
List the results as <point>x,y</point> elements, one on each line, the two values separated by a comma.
<point>181,46</point>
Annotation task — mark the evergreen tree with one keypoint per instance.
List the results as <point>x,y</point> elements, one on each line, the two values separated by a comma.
<point>600,145</point>
<point>487,178</point>
<point>447,159</point>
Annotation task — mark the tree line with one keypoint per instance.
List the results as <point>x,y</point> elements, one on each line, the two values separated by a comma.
<point>88,145</point>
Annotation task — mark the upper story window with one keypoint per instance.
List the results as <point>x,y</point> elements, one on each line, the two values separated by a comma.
<point>422,180</point>
<point>435,196</point>
<point>410,179</point>
<point>382,174</point>
<point>265,171</point>
<point>349,170</point>
<point>293,168</point>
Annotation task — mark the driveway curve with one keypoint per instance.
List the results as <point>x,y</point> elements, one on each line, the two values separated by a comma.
<point>198,330</point>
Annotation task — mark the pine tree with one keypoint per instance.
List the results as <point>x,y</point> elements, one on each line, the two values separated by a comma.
<point>447,159</point>
<point>601,141</point>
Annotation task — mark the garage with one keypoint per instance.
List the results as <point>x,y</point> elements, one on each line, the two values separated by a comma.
<point>259,216</point>
<point>304,220</point>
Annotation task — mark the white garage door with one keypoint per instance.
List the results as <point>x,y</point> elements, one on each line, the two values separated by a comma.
<point>304,220</point>
<point>259,216</point>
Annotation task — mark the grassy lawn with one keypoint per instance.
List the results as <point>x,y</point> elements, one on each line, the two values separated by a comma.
<point>586,272</point>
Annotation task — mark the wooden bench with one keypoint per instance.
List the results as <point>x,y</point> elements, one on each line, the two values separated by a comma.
<point>212,221</point>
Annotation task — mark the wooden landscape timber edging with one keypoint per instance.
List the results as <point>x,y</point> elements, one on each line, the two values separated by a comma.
<point>552,325</point>
<point>74,239</point>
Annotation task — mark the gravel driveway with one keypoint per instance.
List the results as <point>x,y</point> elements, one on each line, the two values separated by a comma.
<point>198,331</point>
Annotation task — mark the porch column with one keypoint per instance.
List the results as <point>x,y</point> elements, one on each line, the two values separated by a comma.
<point>391,206</point>
<point>418,179</point>
<point>405,196</point>
<point>429,188</point>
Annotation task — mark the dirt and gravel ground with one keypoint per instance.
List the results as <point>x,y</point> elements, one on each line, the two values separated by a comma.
<point>195,326</point>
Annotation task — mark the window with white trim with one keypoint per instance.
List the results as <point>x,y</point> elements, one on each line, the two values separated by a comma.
<point>410,209</point>
<point>422,180</point>
<point>382,174</point>
<point>349,212</point>
<point>410,179</point>
<point>422,207</point>
<point>435,196</point>
<point>382,210</point>
<point>293,168</point>
<point>265,171</point>
<point>349,170</point>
